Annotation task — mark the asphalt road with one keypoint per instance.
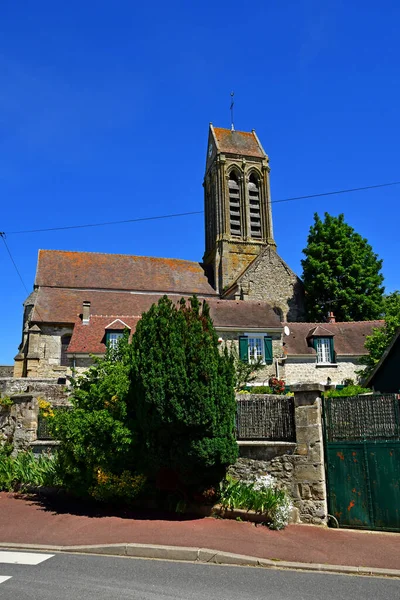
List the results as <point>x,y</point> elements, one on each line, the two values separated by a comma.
<point>76,577</point>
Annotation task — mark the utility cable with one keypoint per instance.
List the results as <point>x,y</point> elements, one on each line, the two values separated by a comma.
<point>199,212</point>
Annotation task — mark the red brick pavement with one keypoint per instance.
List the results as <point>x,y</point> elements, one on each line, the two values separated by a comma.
<point>28,520</point>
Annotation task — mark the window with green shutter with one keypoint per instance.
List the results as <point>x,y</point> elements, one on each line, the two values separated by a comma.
<point>255,347</point>
<point>325,350</point>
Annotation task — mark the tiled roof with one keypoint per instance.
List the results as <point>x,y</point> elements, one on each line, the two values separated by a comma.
<point>90,339</point>
<point>242,314</point>
<point>92,270</point>
<point>349,337</point>
<point>57,305</point>
<point>238,142</point>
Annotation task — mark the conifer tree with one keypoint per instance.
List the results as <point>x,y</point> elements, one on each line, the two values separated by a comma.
<point>341,273</point>
<point>183,389</point>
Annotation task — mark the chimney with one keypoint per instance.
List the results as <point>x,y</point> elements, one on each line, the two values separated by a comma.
<point>331,317</point>
<point>86,312</point>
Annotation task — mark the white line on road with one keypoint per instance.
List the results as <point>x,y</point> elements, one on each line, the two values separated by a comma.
<point>23,558</point>
<point>3,578</point>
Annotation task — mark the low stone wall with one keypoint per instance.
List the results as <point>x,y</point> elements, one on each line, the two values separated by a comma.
<point>53,390</point>
<point>298,467</point>
<point>6,371</point>
<point>18,422</point>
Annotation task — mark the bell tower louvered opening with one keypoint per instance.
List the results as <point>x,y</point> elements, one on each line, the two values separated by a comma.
<point>234,205</point>
<point>254,207</point>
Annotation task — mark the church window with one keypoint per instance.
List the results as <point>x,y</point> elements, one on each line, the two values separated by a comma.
<point>234,205</point>
<point>64,360</point>
<point>254,347</point>
<point>254,205</point>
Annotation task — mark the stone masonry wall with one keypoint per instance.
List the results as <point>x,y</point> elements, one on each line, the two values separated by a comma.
<point>306,370</point>
<point>6,371</point>
<point>301,472</point>
<point>270,279</point>
<point>18,422</point>
<point>48,389</point>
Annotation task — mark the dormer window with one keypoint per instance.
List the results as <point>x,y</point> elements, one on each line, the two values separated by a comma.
<point>234,205</point>
<point>113,337</point>
<point>254,206</point>
<point>324,349</point>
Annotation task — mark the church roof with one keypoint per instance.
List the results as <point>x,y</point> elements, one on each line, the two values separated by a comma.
<point>238,142</point>
<point>349,337</point>
<point>90,339</point>
<point>91,270</point>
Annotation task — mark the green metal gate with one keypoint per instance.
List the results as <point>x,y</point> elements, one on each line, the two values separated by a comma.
<point>362,447</point>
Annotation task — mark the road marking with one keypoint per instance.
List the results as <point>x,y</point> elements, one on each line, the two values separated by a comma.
<point>23,558</point>
<point>3,578</point>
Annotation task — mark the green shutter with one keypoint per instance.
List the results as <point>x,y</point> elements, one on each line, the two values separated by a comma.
<point>332,347</point>
<point>268,350</point>
<point>244,348</point>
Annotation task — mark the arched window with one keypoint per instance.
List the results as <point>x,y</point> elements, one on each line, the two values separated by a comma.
<point>64,360</point>
<point>234,205</point>
<point>254,204</point>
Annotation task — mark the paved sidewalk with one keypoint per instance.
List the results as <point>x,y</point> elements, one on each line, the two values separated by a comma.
<point>31,520</point>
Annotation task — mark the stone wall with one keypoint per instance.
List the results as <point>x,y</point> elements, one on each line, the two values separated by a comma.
<point>44,352</point>
<point>6,371</point>
<point>18,422</point>
<point>270,279</point>
<point>47,388</point>
<point>302,370</point>
<point>301,470</point>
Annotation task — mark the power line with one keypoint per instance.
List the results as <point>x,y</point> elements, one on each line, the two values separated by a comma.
<point>3,237</point>
<point>199,212</point>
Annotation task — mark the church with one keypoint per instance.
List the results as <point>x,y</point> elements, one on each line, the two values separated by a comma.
<point>83,301</point>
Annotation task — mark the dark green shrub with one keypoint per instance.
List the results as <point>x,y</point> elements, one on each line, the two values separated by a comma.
<point>183,390</point>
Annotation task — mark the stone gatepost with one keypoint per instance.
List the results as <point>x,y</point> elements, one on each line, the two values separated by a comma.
<point>309,483</point>
<point>24,413</point>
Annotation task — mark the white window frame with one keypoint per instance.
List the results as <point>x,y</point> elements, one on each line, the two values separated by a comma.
<point>253,337</point>
<point>323,349</point>
<point>113,338</point>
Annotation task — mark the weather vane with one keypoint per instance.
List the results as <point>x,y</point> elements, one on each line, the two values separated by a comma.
<point>232,103</point>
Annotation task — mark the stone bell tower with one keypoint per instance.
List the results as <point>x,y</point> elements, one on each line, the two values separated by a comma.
<point>237,198</point>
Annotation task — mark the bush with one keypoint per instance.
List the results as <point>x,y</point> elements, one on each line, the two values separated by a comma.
<point>347,391</point>
<point>183,389</point>
<point>261,496</point>
<point>123,488</point>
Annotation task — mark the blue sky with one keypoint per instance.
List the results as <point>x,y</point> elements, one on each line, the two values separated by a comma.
<point>104,112</point>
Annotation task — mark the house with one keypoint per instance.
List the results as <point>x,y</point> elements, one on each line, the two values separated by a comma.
<point>385,377</point>
<point>82,300</point>
<point>325,352</point>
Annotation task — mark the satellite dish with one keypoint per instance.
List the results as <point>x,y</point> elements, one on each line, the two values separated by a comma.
<point>286,330</point>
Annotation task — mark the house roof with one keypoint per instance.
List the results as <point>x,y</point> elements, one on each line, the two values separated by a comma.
<point>238,142</point>
<point>90,270</point>
<point>57,305</point>
<point>90,338</point>
<point>349,337</point>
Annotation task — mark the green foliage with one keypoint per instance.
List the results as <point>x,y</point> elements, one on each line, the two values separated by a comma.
<point>265,499</point>
<point>245,372</point>
<point>377,343</point>
<point>347,392</point>
<point>341,273</point>
<point>183,390</point>
<point>97,432</point>
<point>118,488</point>
<point>25,470</point>
<point>6,401</point>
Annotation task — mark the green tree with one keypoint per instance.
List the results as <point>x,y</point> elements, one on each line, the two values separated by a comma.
<point>341,273</point>
<point>377,343</point>
<point>183,389</point>
<point>96,435</point>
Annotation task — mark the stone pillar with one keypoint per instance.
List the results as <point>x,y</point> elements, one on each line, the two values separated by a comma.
<point>25,413</point>
<point>309,483</point>
<point>33,357</point>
